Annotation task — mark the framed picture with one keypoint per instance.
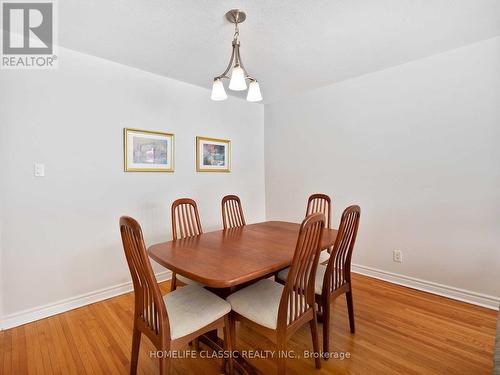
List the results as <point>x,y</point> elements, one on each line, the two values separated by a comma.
<point>148,151</point>
<point>213,155</point>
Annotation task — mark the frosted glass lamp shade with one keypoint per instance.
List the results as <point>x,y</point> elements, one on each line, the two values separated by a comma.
<point>218,92</point>
<point>254,94</point>
<point>237,82</point>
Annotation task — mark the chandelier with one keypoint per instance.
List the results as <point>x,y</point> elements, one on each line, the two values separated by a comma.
<point>239,75</point>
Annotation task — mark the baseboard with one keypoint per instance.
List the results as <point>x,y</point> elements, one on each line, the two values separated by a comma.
<point>37,313</point>
<point>463,295</point>
<point>40,312</point>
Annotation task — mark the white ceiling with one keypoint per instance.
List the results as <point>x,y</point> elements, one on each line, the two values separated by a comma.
<point>288,45</point>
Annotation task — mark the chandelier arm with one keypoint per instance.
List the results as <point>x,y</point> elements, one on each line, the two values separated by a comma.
<point>229,65</point>
<point>238,59</point>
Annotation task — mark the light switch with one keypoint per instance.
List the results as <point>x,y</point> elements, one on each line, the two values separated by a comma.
<point>39,170</point>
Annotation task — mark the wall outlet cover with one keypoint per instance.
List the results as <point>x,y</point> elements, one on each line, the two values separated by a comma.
<point>397,256</point>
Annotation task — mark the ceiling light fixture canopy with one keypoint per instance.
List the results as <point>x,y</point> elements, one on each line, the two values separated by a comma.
<point>239,75</point>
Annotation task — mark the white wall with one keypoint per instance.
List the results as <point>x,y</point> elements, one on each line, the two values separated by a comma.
<point>2,157</point>
<point>60,233</point>
<point>417,146</point>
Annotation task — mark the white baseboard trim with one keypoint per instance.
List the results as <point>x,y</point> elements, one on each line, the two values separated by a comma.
<point>40,312</point>
<point>463,295</point>
<point>37,313</point>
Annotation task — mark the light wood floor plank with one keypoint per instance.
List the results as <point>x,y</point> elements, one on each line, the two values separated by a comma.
<point>398,331</point>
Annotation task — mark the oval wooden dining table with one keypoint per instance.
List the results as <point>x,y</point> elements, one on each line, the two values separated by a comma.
<point>227,260</point>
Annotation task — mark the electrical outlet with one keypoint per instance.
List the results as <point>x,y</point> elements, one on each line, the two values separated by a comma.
<point>397,256</point>
<point>39,170</point>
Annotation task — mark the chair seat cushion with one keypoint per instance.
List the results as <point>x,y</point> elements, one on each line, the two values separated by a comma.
<point>187,280</point>
<point>324,256</point>
<point>318,284</point>
<point>192,307</point>
<point>258,302</point>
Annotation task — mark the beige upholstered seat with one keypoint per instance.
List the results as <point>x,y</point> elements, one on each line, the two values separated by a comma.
<point>191,307</point>
<point>324,256</point>
<point>320,274</point>
<point>187,280</point>
<point>258,302</point>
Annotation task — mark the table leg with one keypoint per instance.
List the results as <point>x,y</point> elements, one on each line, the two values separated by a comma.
<point>241,365</point>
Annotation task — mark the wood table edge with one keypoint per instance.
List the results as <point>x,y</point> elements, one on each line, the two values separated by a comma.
<point>217,283</point>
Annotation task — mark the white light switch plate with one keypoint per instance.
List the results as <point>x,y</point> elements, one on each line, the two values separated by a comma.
<point>39,170</point>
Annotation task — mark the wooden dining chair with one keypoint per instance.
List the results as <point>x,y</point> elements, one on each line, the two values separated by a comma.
<point>185,223</point>
<point>336,275</point>
<point>334,278</point>
<point>323,204</point>
<point>232,212</point>
<point>279,310</point>
<point>320,203</point>
<point>173,320</point>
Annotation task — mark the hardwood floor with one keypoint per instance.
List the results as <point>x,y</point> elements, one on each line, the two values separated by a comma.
<point>398,331</point>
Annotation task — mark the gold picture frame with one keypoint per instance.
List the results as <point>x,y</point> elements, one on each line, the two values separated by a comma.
<point>148,151</point>
<point>210,157</point>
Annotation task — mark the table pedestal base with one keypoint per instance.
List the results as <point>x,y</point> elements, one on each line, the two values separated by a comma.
<point>241,365</point>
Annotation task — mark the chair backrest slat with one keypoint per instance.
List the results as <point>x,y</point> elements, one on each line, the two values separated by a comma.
<point>320,203</point>
<point>185,219</point>
<point>338,270</point>
<point>232,212</point>
<point>149,304</point>
<point>298,293</point>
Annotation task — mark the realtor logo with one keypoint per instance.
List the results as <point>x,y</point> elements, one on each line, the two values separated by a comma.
<point>28,35</point>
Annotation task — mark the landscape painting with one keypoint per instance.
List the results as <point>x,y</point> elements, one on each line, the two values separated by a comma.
<point>148,151</point>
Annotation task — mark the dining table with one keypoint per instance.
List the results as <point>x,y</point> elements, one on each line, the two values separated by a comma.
<point>225,261</point>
